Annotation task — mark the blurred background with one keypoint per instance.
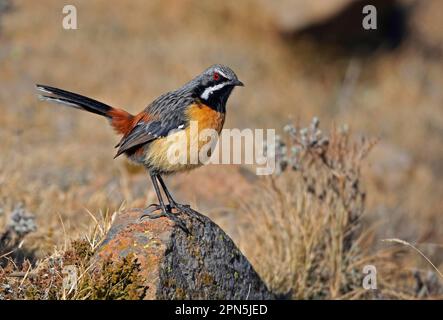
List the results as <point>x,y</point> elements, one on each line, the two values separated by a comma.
<point>299,59</point>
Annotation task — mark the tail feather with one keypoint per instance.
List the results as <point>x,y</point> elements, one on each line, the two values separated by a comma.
<point>121,120</point>
<point>74,100</point>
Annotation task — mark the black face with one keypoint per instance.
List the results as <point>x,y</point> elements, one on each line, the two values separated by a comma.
<point>215,85</point>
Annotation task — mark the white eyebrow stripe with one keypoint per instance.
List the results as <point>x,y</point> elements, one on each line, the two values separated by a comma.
<point>210,90</point>
<point>223,74</point>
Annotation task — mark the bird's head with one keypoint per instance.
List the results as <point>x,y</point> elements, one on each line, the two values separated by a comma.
<point>215,84</point>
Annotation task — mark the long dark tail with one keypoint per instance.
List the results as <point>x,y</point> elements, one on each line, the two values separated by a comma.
<point>121,120</point>
<point>74,100</point>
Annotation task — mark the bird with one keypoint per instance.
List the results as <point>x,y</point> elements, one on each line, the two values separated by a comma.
<point>146,136</point>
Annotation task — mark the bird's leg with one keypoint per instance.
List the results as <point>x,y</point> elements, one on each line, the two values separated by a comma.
<point>154,207</point>
<point>166,210</point>
<point>185,208</point>
<point>171,200</point>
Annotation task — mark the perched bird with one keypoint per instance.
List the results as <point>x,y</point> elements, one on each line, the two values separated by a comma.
<point>145,135</point>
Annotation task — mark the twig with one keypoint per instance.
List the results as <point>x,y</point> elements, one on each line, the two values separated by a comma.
<point>26,275</point>
<point>6,254</point>
<point>405,243</point>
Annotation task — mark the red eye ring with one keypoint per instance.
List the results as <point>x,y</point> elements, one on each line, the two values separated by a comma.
<point>216,76</point>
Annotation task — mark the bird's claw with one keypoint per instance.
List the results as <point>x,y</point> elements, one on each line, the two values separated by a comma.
<point>150,212</point>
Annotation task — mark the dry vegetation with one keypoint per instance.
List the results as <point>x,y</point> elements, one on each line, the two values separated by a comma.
<point>50,277</point>
<point>309,230</point>
<point>315,209</point>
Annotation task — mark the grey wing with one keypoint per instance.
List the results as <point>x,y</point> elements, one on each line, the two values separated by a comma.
<point>169,110</point>
<point>171,106</point>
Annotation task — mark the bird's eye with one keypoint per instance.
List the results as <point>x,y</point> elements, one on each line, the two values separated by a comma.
<point>216,76</point>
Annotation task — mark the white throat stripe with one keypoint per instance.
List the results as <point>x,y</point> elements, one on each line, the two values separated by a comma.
<point>209,90</point>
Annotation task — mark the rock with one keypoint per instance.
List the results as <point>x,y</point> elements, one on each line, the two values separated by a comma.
<point>339,22</point>
<point>204,264</point>
<point>291,15</point>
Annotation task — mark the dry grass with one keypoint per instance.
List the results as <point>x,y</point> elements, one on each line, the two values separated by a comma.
<point>304,228</point>
<point>49,277</point>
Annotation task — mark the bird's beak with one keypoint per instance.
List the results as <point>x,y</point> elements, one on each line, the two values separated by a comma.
<point>238,83</point>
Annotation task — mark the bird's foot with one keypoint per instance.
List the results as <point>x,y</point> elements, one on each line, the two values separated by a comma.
<point>150,212</point>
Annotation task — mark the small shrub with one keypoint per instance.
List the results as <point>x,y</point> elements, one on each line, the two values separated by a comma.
<point>304,228</point>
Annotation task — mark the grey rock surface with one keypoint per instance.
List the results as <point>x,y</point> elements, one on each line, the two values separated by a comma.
<point>202,264</point>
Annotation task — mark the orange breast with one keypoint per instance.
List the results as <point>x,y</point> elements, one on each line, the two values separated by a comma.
<point>206,117</point>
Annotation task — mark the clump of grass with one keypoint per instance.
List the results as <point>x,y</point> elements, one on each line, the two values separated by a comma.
<point>72,272</point>
<point>304,231</point>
